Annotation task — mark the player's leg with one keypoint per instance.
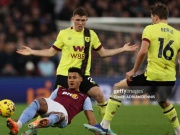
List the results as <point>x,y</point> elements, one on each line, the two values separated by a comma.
<point>60,81</point>
<point>56,114</point>
<point>112,107</point>
<point>28,114</point>
<point>168,109</point>
<point>113,104</point>
<point>49,121</point>
<point>97,94</point>
<point>115,101</point>
<point>171,114</point>
<point>92,89</point>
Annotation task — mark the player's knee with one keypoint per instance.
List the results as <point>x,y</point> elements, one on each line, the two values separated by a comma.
<point>43,105</point>
<point>99,97</point>
<point>97,94</point>
<point>120,84</point>
<point>41,101</point>
<point>117,85</point>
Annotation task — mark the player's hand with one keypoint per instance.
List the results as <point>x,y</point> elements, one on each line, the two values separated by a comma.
<point>24,51</point>
<point>128,47</point>
<point>129,75</point>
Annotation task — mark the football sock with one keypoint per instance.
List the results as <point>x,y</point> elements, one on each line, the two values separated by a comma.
<point>177,130</point>
<point>102,108</point>
<point>171,114</point>
<point>105,124</point>
<point>29,112</point>
<point>53,118</point>
<point>39,117</point>
<point>19,123</point>
<point>112,107</point>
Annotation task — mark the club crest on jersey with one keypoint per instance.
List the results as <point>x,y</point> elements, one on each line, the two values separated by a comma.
<point>87,39</point>
<point>74,96</point>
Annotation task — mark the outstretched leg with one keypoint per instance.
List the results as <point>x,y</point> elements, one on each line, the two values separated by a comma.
<point>111,109</point>
<point>37,106</point>
<point>53,119</point>
<point>171,114</point>
<point>114,104</point>
<point>97,94</point>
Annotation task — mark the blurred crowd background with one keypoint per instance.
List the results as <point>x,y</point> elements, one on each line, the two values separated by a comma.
<point>32,23</point>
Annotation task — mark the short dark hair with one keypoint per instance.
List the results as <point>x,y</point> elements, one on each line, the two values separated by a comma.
<point>80,11</point>
<point>75,69</point>
<point>160,10</point>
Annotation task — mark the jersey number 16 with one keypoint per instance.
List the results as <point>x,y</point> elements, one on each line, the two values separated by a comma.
<point>167,48</point>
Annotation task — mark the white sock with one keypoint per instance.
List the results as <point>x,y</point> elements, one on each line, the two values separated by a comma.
<point>105,124</point>
<point>177,130</point>
<point>19,123</point>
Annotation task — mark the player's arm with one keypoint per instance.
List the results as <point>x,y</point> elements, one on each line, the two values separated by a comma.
<point>139,59</point>
<point>179,56</point>
<point>141,55</point>
<point>90,117</point>
<point>110,52</point>
<point>54,94</point>
<point>88,111</point>
<point>44,53</point>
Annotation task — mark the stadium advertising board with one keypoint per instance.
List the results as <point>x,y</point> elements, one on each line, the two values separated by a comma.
<point>25,90</point>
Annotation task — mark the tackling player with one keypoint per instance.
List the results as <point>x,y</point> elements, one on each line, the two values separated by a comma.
<point>59,109</point>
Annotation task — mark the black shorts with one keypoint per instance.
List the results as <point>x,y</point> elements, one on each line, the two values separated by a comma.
<point>161,89</point>
<point>85,86</point>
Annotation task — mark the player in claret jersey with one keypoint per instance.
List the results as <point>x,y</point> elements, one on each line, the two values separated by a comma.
<point>59,109</point>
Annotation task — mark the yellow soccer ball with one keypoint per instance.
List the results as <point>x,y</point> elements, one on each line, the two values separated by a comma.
<point>7,108</point>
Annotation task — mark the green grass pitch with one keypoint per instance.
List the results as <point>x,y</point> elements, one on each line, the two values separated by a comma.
<point>129,120</point>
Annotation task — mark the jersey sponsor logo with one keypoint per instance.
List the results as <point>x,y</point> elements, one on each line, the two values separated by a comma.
<point>74,96</point>
<point>87,39</point>
<point>78,48</point>
<point>78,56</point>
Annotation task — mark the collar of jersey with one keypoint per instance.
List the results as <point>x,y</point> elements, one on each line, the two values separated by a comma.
<point>76,31</point>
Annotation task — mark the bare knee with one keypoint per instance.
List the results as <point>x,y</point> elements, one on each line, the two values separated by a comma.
<point>43,106</point>
<point>99,98</point>
<point>97,94</point>
<point>121,84</point>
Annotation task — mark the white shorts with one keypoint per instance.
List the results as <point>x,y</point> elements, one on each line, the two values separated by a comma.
<point>54,106</point>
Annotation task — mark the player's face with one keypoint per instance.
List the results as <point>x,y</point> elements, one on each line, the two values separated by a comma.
<point>79,22</point>
<point>74,80</point>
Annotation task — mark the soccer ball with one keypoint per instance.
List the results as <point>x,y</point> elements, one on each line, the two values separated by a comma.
<point>7,108</point>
